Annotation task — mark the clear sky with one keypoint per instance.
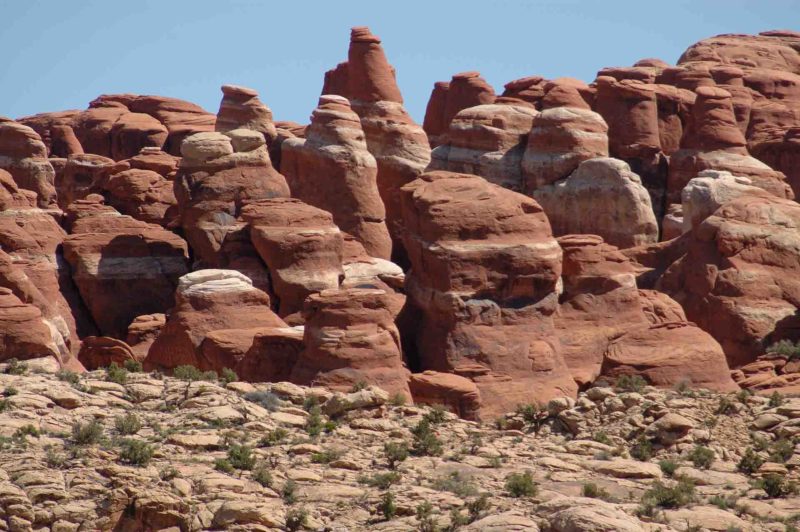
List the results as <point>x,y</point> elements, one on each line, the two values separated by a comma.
<point>60,54</point>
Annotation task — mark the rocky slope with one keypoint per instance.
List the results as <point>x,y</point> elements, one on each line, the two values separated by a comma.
<point>126,450</point>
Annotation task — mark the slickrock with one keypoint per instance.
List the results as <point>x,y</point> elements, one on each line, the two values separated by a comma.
<point>301,247</point>
<point>489,141</point>
<point>560,139</point>
<point>483,278</point>
<point>602,196</point>
<point>207,301</point>
<point>350,338</point>
<point>710,190</point>
<point>241,108</point>
<point>332,169</point>
<point>122,267</point>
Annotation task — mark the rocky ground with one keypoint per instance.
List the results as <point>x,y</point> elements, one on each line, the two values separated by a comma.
<point>127,450</point>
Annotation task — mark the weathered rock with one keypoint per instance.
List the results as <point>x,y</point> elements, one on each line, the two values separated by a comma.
<point>707,192</point>
<point>560,139</point>
<point>350,337</point>
<point>489,141</point>
<point>602,196</point>
<point>242,109</point>
<point>457,393</point>
<point>122,267</point>
<point>24,334</point>
<point>483,279</point>
<point>24,156</point>
<point>102,351</point>
<point>332,169</point>
<point>142,194</point>
<point>466,89</point>
<point>567,92</point>
<point>301,247</point>
<point>208,301</point>
<point>434,122</point>
<point>82,175</point>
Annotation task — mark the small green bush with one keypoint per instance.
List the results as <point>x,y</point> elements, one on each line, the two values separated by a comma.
<point>224,465</point>
<point>241,457</point>
<point>478,506</point>
<point>127,424</point>
<point>380,480</point>
<point>27,430</point>
<point>601,437</point>
<point>314,424</point>
<point>630,383</point>
<point>781,450</point>
<point>289,492</point>
<point>116,374</point>
<point>668,467</point>
<point>750,462</point>
<point>273,437</point>
<point>436,414</point>
<point>785,348</point>
<point>136,452</point>
<point>262,475</point>
<point>15,367</point>
<point>455,483</point>
<point>87,433</point>
<point>133,366</point>
<point>725,406</point>
<point>427,523</point>
<point>395,452</point>
<point>358,386</point>
<point>426,443</point>
<point>777,486</point>
<point>10,391</point>
<point>721,502</point>
<point>387,506</point>
<point>676,496</point>
<point>592,490</point>
<point>296,518</point>
<point>327,456</point>
<point>521,485</point>
<point>701,457</point>
<point>190,373</point>
<point>68,376</point>
<point>268,400</point>
<point>397,399</point>
<point>775,400</point>
<point>228,375</point>
<point>642,449</point>
<point>53,459</point>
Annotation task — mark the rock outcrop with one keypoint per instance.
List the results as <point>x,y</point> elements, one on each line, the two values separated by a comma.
<point>483,279</point>
<point>602,197</point>
<point>331,169</point>
<point>24,156</point>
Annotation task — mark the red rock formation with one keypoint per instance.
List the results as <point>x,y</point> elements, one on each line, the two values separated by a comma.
<point>263,354</point>
<point>208,301</point>
<point>45,123</point>
<point>242,109</point>
<point>467,89</point>
<point>142,332</point>
<point>332,169</point>
<point>300,245</point>
<point>218,174</point>
<point>483,280</point>
<point>64,142</point>
<point>102,351</point>
<point>82,175</point>
<point>122,267</point>
<point>458,394</point>
<point>434,122</point>
<point>567,92</point>
<point>528,89</point>
<point>738,277</point>
<point>24,156</point>
<point>142,194</point>
<point>23,332</point>
<point>489,141</point>
<point>559,141</point>
<point>350,337</point>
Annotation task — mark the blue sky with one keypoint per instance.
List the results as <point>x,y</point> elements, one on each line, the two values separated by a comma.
<point>60,54</point>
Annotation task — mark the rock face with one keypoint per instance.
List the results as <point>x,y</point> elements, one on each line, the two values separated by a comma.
<point>242,109</point>
<point>207,301</point>
<point>710,190</point>
<point>489,141</point>
<point>122,267</point>
<point>399,145</point>
<point>483,279</point>
<point>23,331</point>
<point>300,245</point>
<point>560,139</point>
<point>736,279</point>
<point>609,327</point>
<point>466,89</point>
<point>24,156</point>
<point>82,175</point>
<point>331,169</point>
<point>218,174</point>
<point>350,337</point>
<point>602,197</point>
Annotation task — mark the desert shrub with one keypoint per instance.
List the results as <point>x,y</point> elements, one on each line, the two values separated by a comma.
<point>521,485</point>
<point>750,462</point>
<point>395,452</point>
<point>721,502</point>
<point>190,373</point>
<point>387,507</point>
<point>785,348</point>
<point>10,391</point>
<point>273,437</point>
<point>777,486</point>
<point>701,457</point>
<point>228,375</point>
<point>87,433</point>
<point>380,480</point>
<point>135,452</point>
<point>744,395</point>
<point>424,512</point>
<point>268,400</point>
<point>676,496</point>
<point>478,506</point>
<point>590,489</point>
<point>68,376</point>
<point>133,366</point>
<point>289,492</point>
<point>426,443</point>
<point>775,400</point>
<point>127,424</point>
<point>436,414</point>
<point>668,467</point>
<point>262,475</point>
<point>397,399</point>
<point>630,383</point>
<point>168,473</point>
<point>601,437</point>
<point>327,456</point>
<point>15,367</point>
<point>224,465</point>
<point>241,457</point>
<point>781,450</point>
<point>455,483</point>
<point>54,459</point>
<point>116,374</point>
<point>725,406</point>
<point>314,424</point>
<point>296,518</point>
<point>358,386</point>
<point>642,449</point>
